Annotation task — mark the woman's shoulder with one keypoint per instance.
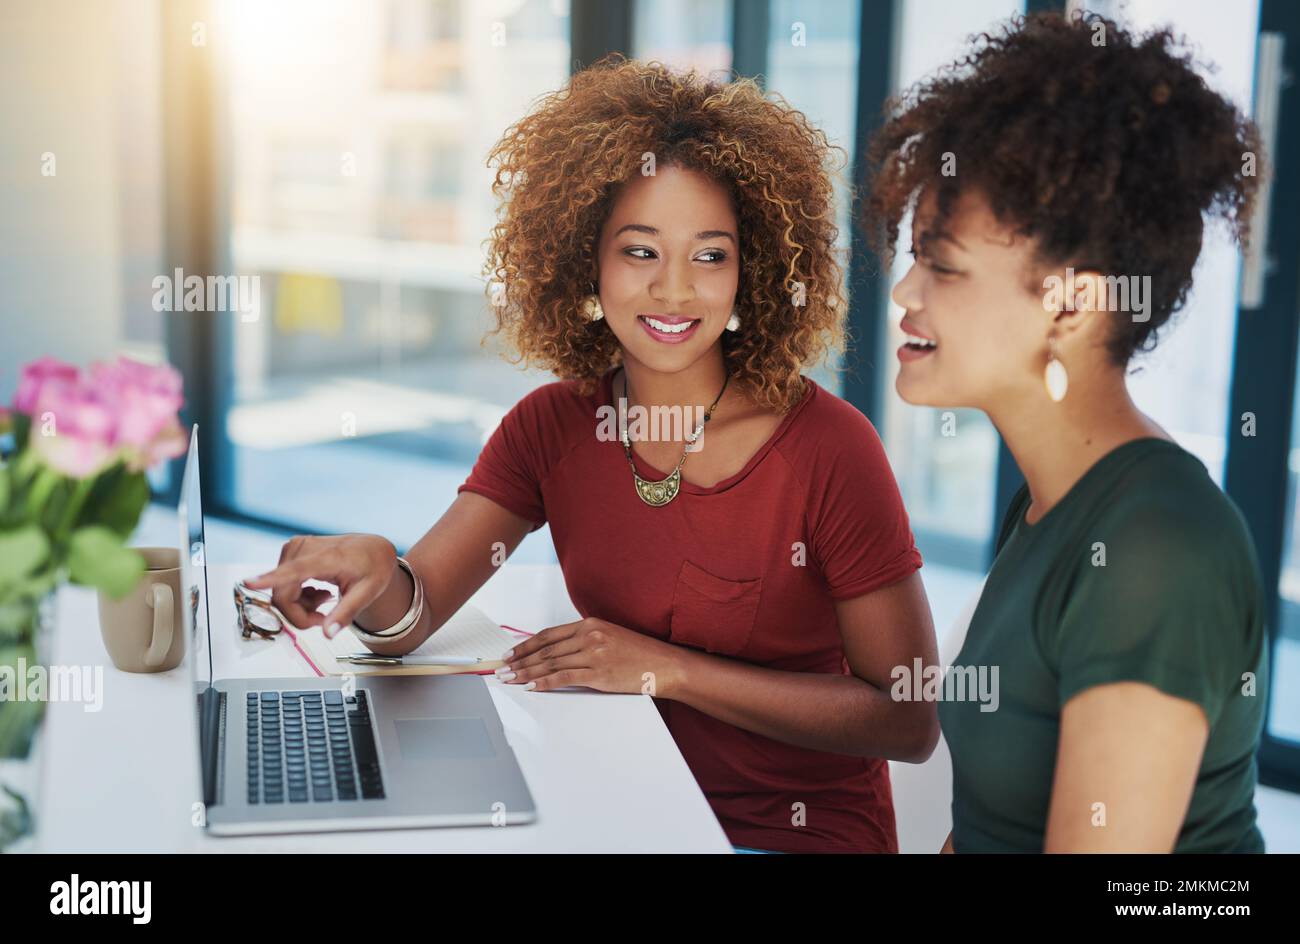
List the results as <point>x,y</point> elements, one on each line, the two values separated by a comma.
<point>1165,502</point>
<point>554,417</point>
<point>830,442</point>
<point>1165,484</point>
<point>833,426</point>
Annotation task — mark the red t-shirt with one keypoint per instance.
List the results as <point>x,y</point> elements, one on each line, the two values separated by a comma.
<point>750,568</point>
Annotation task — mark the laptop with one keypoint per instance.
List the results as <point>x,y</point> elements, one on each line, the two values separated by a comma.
<point>281,755</point>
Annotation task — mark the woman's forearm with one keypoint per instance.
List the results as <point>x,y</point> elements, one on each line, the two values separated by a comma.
<point>838,713</point>
<point>453,561</point>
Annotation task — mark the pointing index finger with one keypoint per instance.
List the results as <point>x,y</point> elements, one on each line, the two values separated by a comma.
<point>286,575</point>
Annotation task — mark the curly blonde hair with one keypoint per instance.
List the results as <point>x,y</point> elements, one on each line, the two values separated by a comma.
<point>559,168</point>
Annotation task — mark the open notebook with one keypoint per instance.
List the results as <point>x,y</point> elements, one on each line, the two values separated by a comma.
<point>469,633</point>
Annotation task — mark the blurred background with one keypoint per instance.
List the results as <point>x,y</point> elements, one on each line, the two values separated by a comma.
<point>334,150</point>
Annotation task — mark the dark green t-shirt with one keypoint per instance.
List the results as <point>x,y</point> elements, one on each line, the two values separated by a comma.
<point>1143,572</point>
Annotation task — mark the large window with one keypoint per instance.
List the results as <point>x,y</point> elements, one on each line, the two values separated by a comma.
<point>1284,716</point>
<point>360,197</point>
<point>812,63</point>
<point>684,33</point>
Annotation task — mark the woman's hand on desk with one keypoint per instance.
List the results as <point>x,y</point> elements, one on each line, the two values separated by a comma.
<point>360,565</point>
<point>592,653</point>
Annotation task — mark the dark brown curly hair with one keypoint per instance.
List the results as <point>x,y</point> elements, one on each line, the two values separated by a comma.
<point>1109,155</point>
<point>558,172</point>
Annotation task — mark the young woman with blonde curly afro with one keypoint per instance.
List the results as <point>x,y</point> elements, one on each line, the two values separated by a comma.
<point>667,245</point>
<point>666,249</point>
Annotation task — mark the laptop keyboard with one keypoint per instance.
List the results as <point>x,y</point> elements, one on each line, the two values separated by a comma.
<point>316,746</point>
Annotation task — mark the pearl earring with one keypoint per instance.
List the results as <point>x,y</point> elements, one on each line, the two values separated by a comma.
<point>733,323</point>
<point>1055,379</point>
<point>591,308</point>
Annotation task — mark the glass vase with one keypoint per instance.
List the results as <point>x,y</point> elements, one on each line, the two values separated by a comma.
<point>26,627</point>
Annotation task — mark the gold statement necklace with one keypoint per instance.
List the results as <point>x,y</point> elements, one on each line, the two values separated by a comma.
<point>658,494</point>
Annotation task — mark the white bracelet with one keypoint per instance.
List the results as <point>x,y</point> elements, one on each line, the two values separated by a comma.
<point>408,622</point>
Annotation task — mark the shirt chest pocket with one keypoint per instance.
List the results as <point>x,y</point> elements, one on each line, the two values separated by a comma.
<point>713,613</point>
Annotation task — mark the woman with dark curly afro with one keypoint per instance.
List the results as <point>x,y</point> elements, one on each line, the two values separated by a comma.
<point>1059,178</point>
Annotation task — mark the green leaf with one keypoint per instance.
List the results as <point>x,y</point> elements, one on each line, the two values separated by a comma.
<point>38,496</point>
<point>22,550</point>
<point>98,558</point>
<point>118,501</point>
<point>16,819</point>
<point>5,488</point>
<point>19,621</point>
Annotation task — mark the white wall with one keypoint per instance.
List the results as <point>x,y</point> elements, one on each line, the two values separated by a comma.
<point>78,80</point>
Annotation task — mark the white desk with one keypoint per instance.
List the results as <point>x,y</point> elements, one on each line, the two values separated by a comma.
<point>603,770</point>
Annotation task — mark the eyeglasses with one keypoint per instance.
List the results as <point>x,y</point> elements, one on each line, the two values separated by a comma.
<point>257,614</point>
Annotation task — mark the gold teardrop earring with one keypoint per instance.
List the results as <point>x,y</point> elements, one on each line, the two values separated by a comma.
<point>1055,378</point>
<point>591,309</point>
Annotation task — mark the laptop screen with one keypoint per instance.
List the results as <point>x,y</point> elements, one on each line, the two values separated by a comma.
<point>194,567</point>
<point>197,623</point>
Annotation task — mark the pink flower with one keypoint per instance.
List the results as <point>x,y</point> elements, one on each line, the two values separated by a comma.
<point>71,431</point>
<point>122,410</point>
<point>145,400</point>
<point>34,378</point>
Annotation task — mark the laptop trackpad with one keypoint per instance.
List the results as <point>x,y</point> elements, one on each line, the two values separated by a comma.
<point>440,738</point>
